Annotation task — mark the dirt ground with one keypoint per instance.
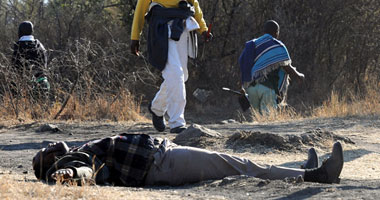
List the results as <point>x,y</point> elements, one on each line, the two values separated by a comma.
<point>360,136</point>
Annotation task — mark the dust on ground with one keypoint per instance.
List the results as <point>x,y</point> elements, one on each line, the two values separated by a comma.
<point>279,143</point>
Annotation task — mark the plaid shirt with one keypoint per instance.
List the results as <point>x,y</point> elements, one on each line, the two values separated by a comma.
<point>128,157</point>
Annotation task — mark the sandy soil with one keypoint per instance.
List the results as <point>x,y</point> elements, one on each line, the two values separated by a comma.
<point>360,175</point>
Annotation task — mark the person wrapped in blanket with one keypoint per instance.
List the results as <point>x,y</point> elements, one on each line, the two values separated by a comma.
<point>137,160</point>
<point>265,67</point>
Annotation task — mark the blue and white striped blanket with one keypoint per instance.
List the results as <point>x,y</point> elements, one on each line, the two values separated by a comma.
<point>261,56</point>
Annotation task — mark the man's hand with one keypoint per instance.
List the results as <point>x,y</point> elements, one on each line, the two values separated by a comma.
<point>300,78</point>
<point>207,36</point>
<point>242,91</point>
<point>63,174</point>
<point>135,47</point>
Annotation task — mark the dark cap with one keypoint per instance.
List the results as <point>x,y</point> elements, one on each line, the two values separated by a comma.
<point>25,28</point>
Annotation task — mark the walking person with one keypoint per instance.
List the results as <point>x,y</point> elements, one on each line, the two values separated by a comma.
<point>30,60</point>
<point>171,40</point>
<point>265,67</point>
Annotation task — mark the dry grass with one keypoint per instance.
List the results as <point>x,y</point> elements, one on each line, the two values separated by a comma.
<point>18,187</point>
<point>335,106</point>
<point>124,107</point>
<point>121,107</point>
<point>349,105</point>
<point>282,114</point>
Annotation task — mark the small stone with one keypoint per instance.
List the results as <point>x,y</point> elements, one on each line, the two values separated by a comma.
<point>201,94</point>
<point>263,183</point>
<point>193,133</point>
<point>300,179</point>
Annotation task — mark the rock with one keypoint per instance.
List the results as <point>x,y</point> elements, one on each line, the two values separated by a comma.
<point>230,180</point>
<point>263,183</point>
<point>195,135</point>
<point>48,128</point>
<point>196,130</point>
<point>201,94</point>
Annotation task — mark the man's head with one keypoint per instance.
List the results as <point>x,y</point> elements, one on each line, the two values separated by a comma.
<point>25,28</point>
<point>46,157</point>
<point>271,27</point>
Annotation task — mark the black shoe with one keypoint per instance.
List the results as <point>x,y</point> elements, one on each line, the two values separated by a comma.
<point>158,122</point>
<point>331,168</point>
<point>312,160</point>
<point>178,129</point>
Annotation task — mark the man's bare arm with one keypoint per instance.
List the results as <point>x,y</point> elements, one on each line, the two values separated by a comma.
<point>293,73</point>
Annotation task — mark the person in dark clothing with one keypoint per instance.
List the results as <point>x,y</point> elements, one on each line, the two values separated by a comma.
<point>140,160</point>
<point>30,58</point>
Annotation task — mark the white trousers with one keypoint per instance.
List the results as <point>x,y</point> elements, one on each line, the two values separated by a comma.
<point>171,98</point>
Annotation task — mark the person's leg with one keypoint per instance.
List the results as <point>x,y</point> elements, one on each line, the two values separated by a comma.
<point>331,168</point>
<point>159,103</point>
<point>312,160</point>
<point>254,97</point>
<point>175,73</point>
<point>269,99</point>
<point>181,165</point>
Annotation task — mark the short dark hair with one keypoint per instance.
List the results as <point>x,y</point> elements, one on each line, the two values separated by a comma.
<point>271,27</point>
<point>38,166</point>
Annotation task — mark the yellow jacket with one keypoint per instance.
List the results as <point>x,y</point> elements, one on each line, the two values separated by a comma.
<point>143,6</point>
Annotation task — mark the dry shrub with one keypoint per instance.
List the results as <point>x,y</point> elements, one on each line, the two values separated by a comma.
<point>88,82</point>
<point>334,43</point>
<point>349,105</point>
<point>121,107</point>
<point>285,113</point>
<point>24,108</point>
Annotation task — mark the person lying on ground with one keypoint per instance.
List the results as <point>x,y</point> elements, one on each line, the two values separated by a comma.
<point>141,160</point>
